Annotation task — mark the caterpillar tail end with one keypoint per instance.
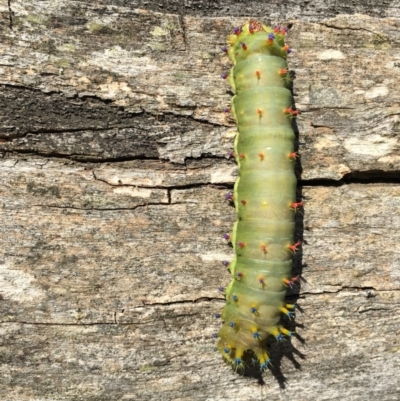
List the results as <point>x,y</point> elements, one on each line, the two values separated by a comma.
<point>239,358</point>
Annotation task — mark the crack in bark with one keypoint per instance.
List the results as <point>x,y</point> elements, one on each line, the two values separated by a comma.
<point>183,25</point>
<point>60,92</point>
<point>340,28</point>
<point>321,126</point>
<point>114,320</point>
<point>80,129</point>
<point>65,324</point>
<point>185,301</point>
<point>108,102</point>
<point>368,292</point>
<point>10,13</point>
<point>78,157</point>
<point>110,209</point>
<point>356,177</point>
<point>167,187</point>
<point>204,156</point>
<point>312,109</point>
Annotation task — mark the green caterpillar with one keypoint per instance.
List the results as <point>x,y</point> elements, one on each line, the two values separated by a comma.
<point>264,194</point>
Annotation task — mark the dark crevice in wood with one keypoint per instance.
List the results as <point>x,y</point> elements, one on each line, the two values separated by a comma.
<point>53,92</point>
<point>167,187</point>
<point>312,109</point>
<point>30,88</point>
<point>199,185</point>
<point>79,158</point>
<point>111,323</point>
<point>159,116</point>
<point>191,118</point>
<point>185,301</point>
<point>304,10</point>
<point>369,291</point>
<point>183,25</point>
<point>67,130</point>
<point>340,28</point>
<point>321,126</point>
<point>90,159</point>
<point>356,177</point>
<point>10,14</point>
<point>204,156</point>
<point>105,209</point>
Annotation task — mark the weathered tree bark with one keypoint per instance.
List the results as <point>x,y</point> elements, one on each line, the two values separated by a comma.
<point>114,165</point>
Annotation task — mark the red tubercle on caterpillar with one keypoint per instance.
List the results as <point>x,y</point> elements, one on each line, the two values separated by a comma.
<point>243,202</point>
<point>260,113</point>
<point>278,29</point>
<point>224,49</point>
<point>296,205</point>
<point>224,75</point>
<point>227,237</point>
<point>243,45</point>
<point>258,74</point>
<point>261,156</point>
<point>241,244</point>
<point>270,39</point>
<point>283,71</point>
<point>227,110</point>
<point>242,156</point>
<point>293,155</point>
<point>294,247</point>
<point>263,248</point>
<point>261,281</point>
<point>290,112</point>
<point>291,282</point>
<point>239,275</point>
<point>287,49</point>
<point>237,30</point>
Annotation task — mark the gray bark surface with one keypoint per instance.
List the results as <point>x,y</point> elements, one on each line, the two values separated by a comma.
<point>114,163</point>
